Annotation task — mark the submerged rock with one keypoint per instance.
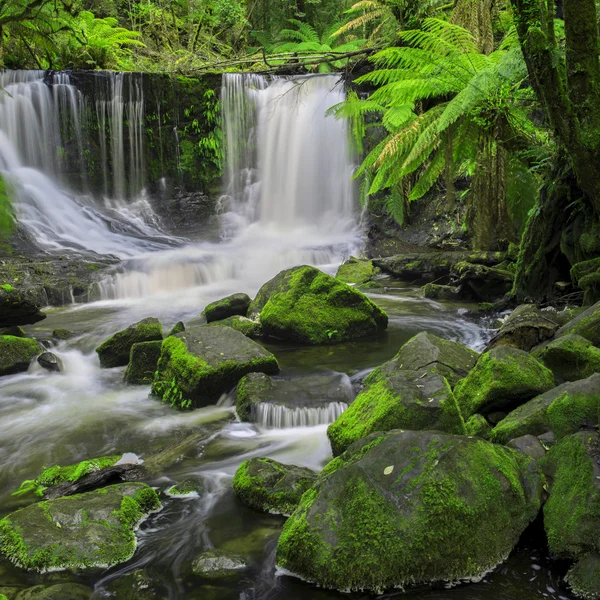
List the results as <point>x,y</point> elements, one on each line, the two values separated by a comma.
<point>270,486</point>
<point>16,353</point>
<point>50,362</point>
<point>218,564</point>
<point>136,585</point>
<point>95,529</point>
<point>562,410</point>
<point>248,327</point>
<point>356,271</point>
<point>115,351</point>
<point>308,306</point>
<point>409,508</point>
<point>59,591</point>
<point>570,357</point>
<point>199,365</point>
<point>143,360</point>
<point>234,305</point>
<point>259,397</point>
<point>503,378</point>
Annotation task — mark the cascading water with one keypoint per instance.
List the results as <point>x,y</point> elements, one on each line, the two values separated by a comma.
<point>276,416</point>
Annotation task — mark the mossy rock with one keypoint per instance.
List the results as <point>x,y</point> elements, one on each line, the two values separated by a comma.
<point>270,486</point>
<point>135,585</point>
<point>478,426</point>
<point>570,357</point>
<point>248,327</point>
<point>309,391</point>
<point>584,577</point>
<point>586,275</point>
<point>586,324</point>
<point>218,564</point>
<point>503,378</point>
<point>62,334</point>
<point>356,271</point>
<point>20,306</point>
<point>434,291</point>
<point>16,354</point>
<point>562,410</point>
<point>115,351</point>
<point>199,365</point>
<point>426,351</point>
<point>15,331</point>
<point>94,529</point>
<point>572,511</point>
<point>308,306</point>
<point>524,328</point>
<point>60,591</point>
<point>236,304</point>
<point>407,508</point>
<point>186,489</point>
<point>486,283</point>
<point>179,327</point>
<point>143,360</point>
<point>397,399</point>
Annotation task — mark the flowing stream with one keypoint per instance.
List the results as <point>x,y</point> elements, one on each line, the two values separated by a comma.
<point>288,200</point>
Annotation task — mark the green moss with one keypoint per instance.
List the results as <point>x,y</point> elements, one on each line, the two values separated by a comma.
<point>62,334</point>
<point>356,271</point>
<point>249,328</point>
<point>584,577</point>
<point>16,353</point>
<point>570,412</point>
<point>570,357</point>
<point>478,426</point>
<point>179,327</point>
<point>247,388</point>
<point>7,287</point>
<point>143,360</point>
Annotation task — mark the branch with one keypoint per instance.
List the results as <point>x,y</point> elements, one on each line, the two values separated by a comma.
<point>24,14</point>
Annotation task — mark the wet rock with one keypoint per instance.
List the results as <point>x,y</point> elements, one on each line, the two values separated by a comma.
<point>19,307</point>
<point>525,328</point>
<point>562,410</point>
<point>312,391</point>
<point>95,529</point>
<point>199,365</point>
<point>248,327</point>
<point>477,425</point>
<point>216,564</point>
<point>179,327</point>
<point>584,577</point>
<point>234,305</point>
<point>143,360</point>
<point>308,306</point>
<point>529,445</point>
<point>587,325</point>
<point>136,585</point>
<point>396,397</point>
<point>486,283</point>
<point>115,351</point>
<point>547,439</point>
<point>503,378</point>
<point>571,517</point>
<point>17,353</point>
<point>433,265</point>
<point>50,362</point>
<point>186,489</point>
<point>60,591</point>
<point>441,292</point>
<point>356,271</point>
<point>269,486</point>
<point>62,334</point>
<point>401,494</point>
<point>15,331</point>
<point>570,357</point>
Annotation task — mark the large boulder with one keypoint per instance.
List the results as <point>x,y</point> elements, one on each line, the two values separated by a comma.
<point>143,360</point>
<point>356,271</point>
<point>278,402</point>
<point>95,529</point>
<point>587,325</point>
<point>486,283</point>
<point>408,508</point>
<point>570,357</point>
<point>562,410</point>
<point>200,364</point>
<point>308,306</point>
<point>20,306</point>
<point>115,351</point>
<point>524,328</point>
<point>503,378</point>
<point>270,486</point>
<point>16,353</point>
<point>236,304</point>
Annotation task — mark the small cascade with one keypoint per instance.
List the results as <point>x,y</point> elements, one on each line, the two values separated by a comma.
<point>276,416</point>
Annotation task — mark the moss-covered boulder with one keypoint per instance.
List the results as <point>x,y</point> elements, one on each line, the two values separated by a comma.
<point>62,334</point>
<point>143,360</point>
<point>586,275</point>
<point>115,351</point>
<point>572,511</point>
<point>570,357</point>
<point>486,283</point>
<point>584,577</point>
<point>258,394</point>
<point>218,564</point>
<point>95,529</point>
<point>59,591</point>
<point>19,306</point>
<point>435,291</point>
<point>16,353</point>
<point>524,328</point>
<point>15,330</point>
<point>236,304</point>
<point>587,325</point>
<point>562,410</point>
<point>179,327</point>
<point>308,306</point>
<point>136,585</point>
<point>248,327</point>
<point>477,425</point>
<point>503,378</point>
<point>270,486</point>
<point>198,365</point>
<point>188,488</point>
<point>394,398</point>
<point>426,351</point>
<point>408,508</point>
<point>356,271</point>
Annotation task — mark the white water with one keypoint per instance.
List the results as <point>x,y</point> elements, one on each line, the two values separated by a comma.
<point>275,416</point>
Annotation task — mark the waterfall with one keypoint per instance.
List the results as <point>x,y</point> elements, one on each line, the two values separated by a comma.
<point>275,416</point>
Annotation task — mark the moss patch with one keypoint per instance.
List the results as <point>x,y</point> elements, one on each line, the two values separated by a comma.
<point>16,353</point>
<point>143,360</point>
<point>356,271</point>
